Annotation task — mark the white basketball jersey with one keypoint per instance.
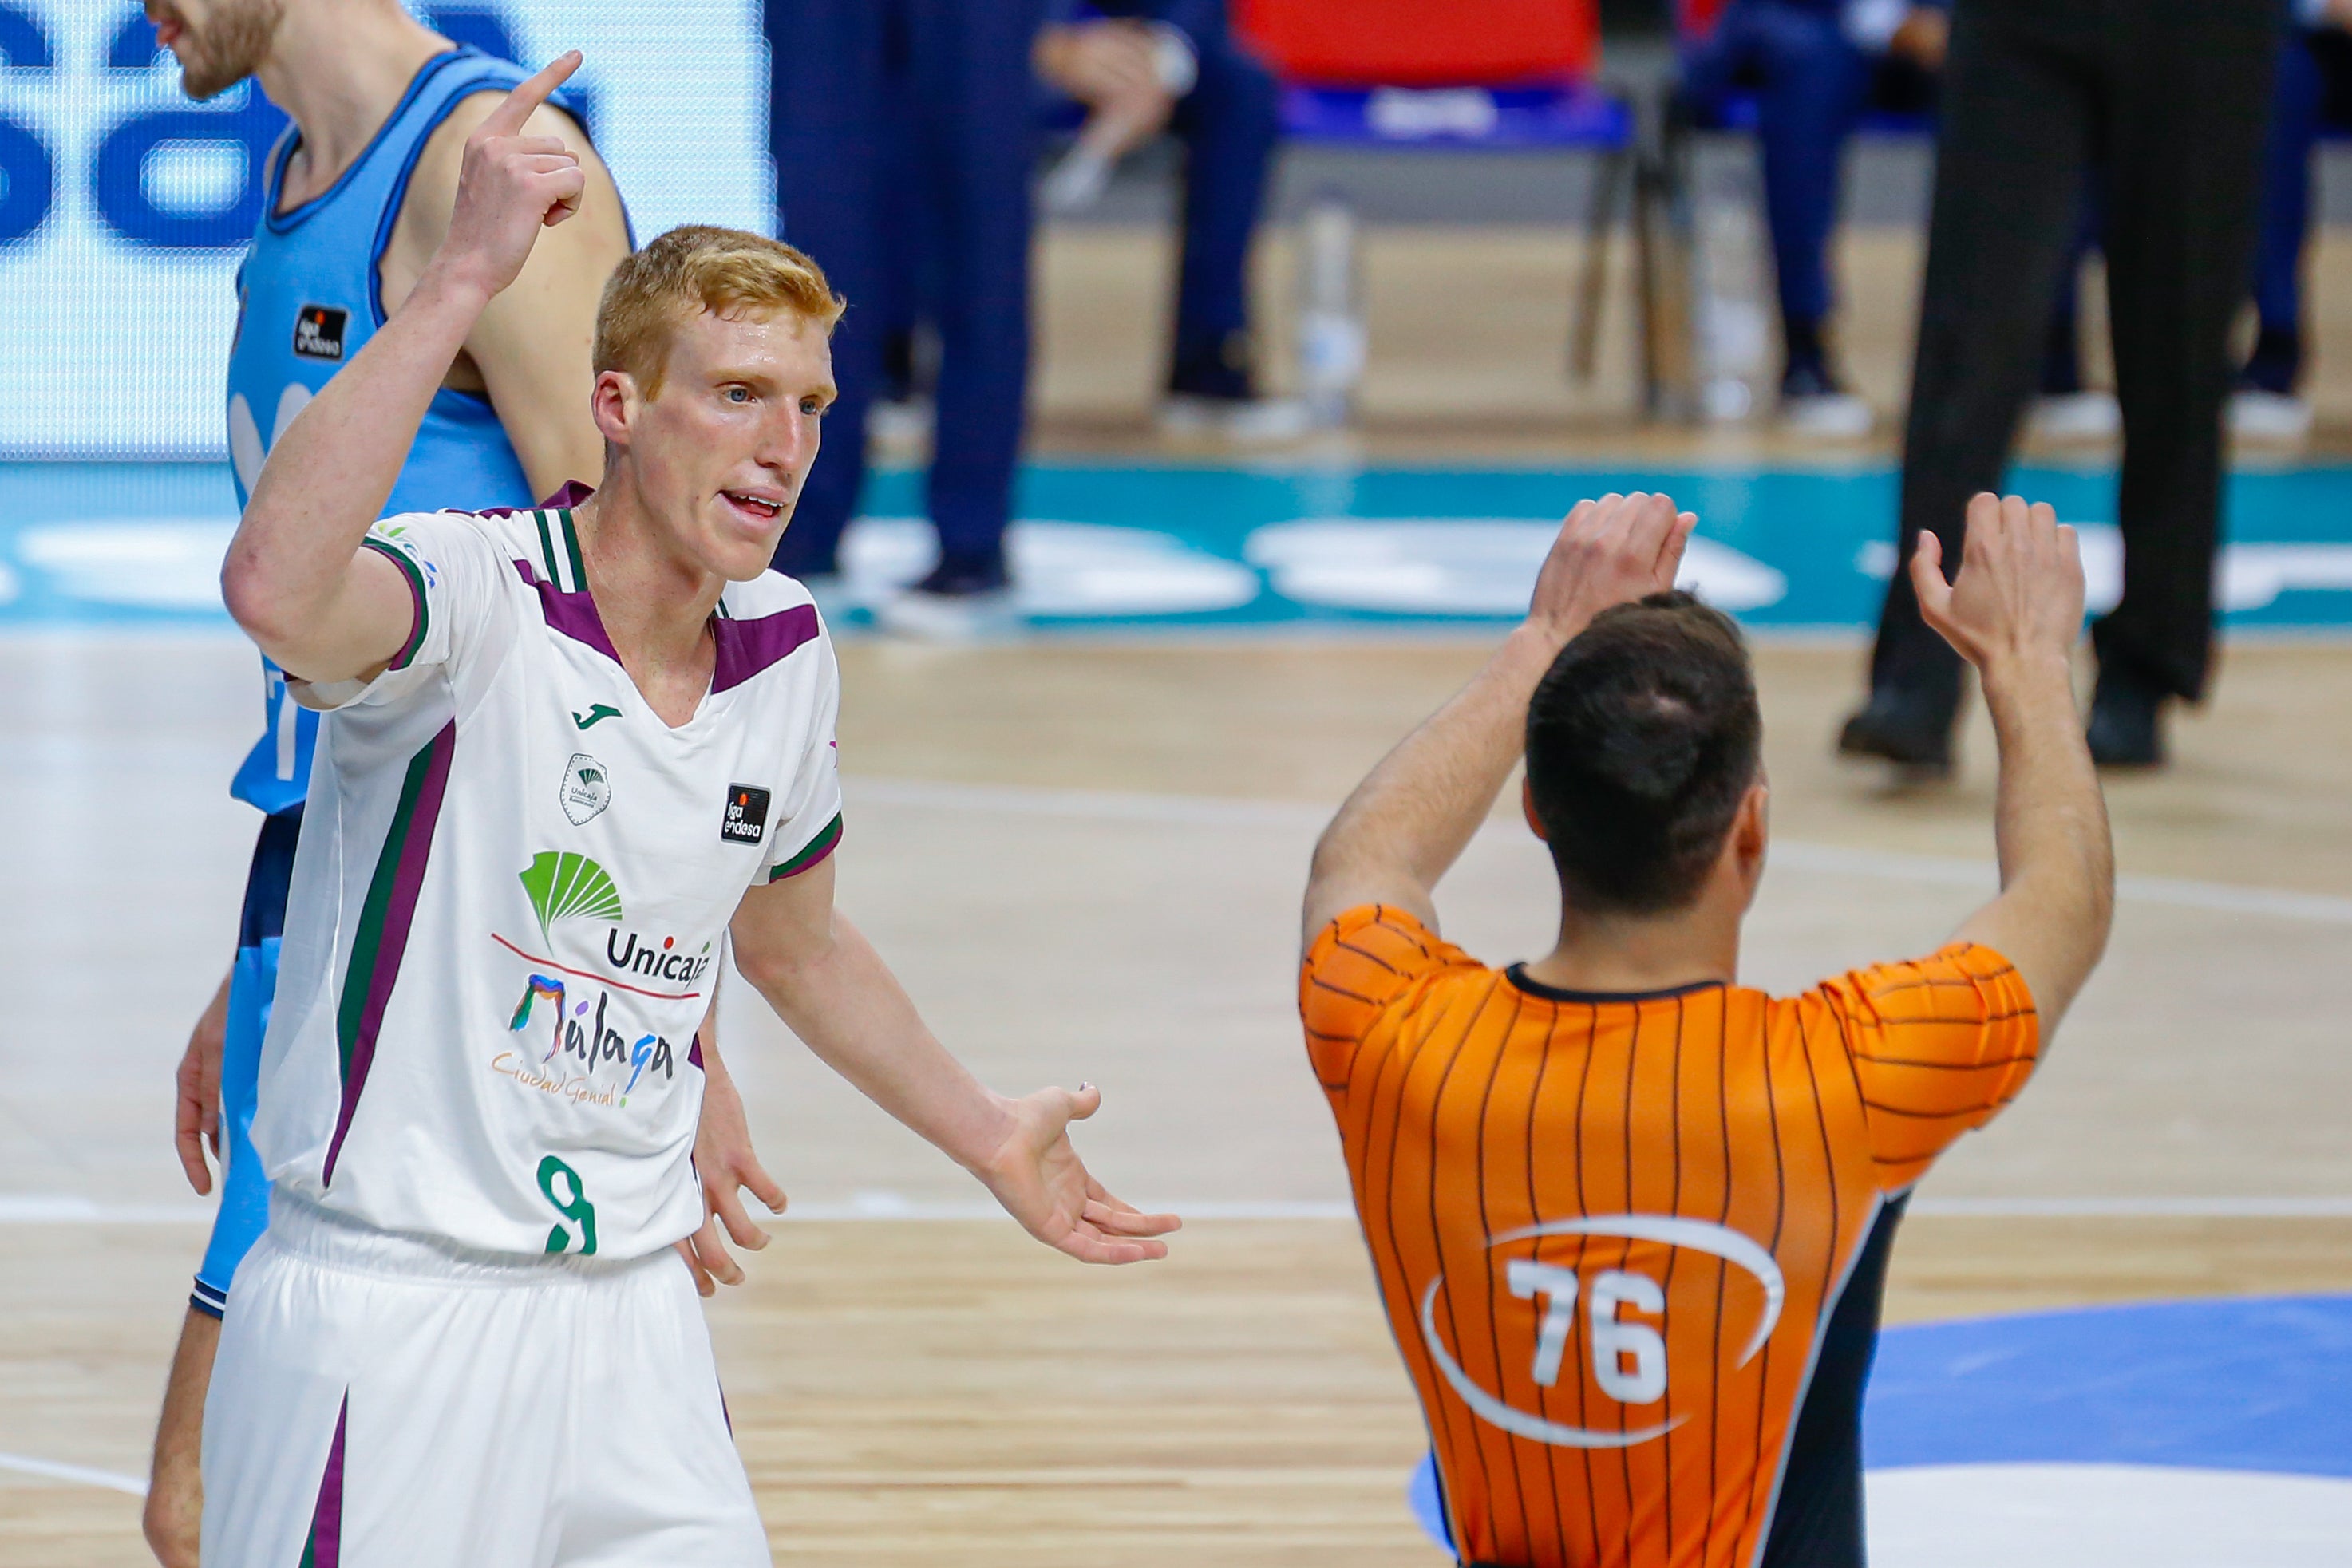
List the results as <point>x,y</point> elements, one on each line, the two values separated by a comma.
<point>511,895</point>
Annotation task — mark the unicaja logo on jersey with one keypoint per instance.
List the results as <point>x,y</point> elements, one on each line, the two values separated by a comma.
<point>563,885</point>
<point>1628,1356</point>
<point>587,788</point>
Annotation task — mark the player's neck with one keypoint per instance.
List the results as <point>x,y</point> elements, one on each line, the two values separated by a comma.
<point>655,603</point>
<point>338,71</point>
<point>1623,955</point>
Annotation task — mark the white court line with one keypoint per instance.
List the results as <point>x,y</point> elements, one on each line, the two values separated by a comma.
<point>81,1474</point>
<point>886,1207</point>
<point>1209,811</point>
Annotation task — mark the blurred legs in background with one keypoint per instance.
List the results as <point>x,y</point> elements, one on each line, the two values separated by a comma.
<point>952,79</point>
<point>2176,96</point>
<point>1229,125</point>
<point>2314,91</point>
<point>1810,81</point>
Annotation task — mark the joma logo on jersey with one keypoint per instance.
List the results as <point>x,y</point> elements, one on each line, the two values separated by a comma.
<point>1628,1355</point>
<point>625,952</point>
<point>318,331</point>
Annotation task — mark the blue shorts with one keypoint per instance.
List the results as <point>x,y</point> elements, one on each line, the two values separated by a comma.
<point>244,1191</point>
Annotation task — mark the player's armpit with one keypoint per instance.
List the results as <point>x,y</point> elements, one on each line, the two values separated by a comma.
<point>1355,970</point>
<point>531,350</point>
<point>1939,1046</point>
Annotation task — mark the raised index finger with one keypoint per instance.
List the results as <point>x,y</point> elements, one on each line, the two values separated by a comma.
<point>507,118</point>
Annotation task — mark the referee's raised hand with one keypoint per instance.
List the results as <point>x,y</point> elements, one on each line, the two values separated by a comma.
<point>511,186</point>
<point>2019,590</point>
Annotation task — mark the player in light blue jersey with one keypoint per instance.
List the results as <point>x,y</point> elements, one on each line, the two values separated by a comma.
<point>358,196</point>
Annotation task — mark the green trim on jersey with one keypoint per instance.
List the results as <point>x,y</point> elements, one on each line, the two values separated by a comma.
<point>367,943</point>
<point>559,551</point>
<point>818,847</point>
<point>422,618</point>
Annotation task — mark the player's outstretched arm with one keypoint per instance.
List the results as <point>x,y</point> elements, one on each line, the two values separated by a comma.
<point>1408,821</point>
<point>295,578</point>
<point>2015,611</point>
<point>829,985</point>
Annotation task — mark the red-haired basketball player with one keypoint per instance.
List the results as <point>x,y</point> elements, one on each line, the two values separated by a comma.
<point>1630,1218</point>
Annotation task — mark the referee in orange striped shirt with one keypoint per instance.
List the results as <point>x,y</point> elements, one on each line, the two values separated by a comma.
<point>1630,1218</point>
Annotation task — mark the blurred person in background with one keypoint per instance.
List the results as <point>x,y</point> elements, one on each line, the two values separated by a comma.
<point>1141,67</point>
<point>2314,94</point>
<point>1814,66</point>
<point>885,115</point>
<point>2170,100</point>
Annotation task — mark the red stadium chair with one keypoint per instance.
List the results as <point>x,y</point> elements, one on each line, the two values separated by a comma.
<point>1454,75</point>
<point>1425,42</point>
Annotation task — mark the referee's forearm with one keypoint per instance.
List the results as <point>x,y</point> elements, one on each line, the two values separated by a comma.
<point>1412,816</point>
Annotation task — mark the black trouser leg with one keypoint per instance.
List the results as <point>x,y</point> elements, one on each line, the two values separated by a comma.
<point>2019,107</point>
<point>2191,85</point>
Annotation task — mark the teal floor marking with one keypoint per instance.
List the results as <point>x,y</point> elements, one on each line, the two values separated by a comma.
<point>1106,546</point>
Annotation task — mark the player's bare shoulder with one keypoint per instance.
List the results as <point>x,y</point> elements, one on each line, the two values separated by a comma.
<point>422,221</point>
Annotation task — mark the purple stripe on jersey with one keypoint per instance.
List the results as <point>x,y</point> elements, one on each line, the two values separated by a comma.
<point>392,943</point>
<point>563,500</point>
<point>573,614</point>
<point>326,1518</point>
<point>747,648</point>
<point>694,1051</point>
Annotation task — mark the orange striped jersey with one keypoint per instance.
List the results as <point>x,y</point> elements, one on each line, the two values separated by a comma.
<point>1631,1246</point>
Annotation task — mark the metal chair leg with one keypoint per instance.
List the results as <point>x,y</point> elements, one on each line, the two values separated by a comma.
<point>1592,290</point>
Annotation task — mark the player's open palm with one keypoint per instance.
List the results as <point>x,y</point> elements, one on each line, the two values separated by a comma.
<point>1609,551</point>
<point>511,186</point>
<point>2019,590</point>
<point>1042,1183</point>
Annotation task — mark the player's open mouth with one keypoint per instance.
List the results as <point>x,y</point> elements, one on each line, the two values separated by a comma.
<point>760,508</point>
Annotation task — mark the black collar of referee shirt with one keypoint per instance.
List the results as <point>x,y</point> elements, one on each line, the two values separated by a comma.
<point>1517,975</point>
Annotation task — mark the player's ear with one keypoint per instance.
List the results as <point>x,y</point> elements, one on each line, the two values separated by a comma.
<point>613,403</point>
<point>1528,805</point>
<point>1751,832</point>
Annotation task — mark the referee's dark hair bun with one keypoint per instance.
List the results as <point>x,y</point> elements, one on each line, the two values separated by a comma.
<point>1642,737</point>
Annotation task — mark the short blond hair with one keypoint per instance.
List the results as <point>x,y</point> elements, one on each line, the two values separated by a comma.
<point>697,269</point>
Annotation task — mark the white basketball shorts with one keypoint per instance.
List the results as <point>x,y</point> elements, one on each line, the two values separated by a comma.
<point>385,1401</point>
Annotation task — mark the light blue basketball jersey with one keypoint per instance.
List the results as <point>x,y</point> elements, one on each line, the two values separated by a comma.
<point>308,297</point>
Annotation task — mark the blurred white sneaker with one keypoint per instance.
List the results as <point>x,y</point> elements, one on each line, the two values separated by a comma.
<point>1826,415</point>
<point>2076,416</point>
<point>1255,419</point>
<point>989,616</point>
<point>2273,418</point>
<point>900,429</point>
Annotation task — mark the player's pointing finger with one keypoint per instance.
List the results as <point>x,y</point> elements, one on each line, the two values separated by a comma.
<point>507,118</point>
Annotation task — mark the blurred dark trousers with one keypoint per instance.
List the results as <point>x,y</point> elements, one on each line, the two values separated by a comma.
<point>2170,99</point>
<point>2313,90</point>
<point>950,80</point>
<point>1229,124</point>
<point>1811,83</point>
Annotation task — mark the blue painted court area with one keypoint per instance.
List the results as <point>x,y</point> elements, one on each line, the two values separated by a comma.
<point>1113,547</point>
<point>2245,1384</point>
<point>2208,1432</point>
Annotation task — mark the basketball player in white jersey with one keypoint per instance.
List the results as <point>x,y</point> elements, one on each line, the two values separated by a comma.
<point>462,1338</point>
<point>357,197</point>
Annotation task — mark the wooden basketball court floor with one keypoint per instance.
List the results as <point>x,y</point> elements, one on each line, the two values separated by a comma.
<point>1084,860</point>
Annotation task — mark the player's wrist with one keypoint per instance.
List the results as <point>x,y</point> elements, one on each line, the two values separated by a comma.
<point>455,285</point>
